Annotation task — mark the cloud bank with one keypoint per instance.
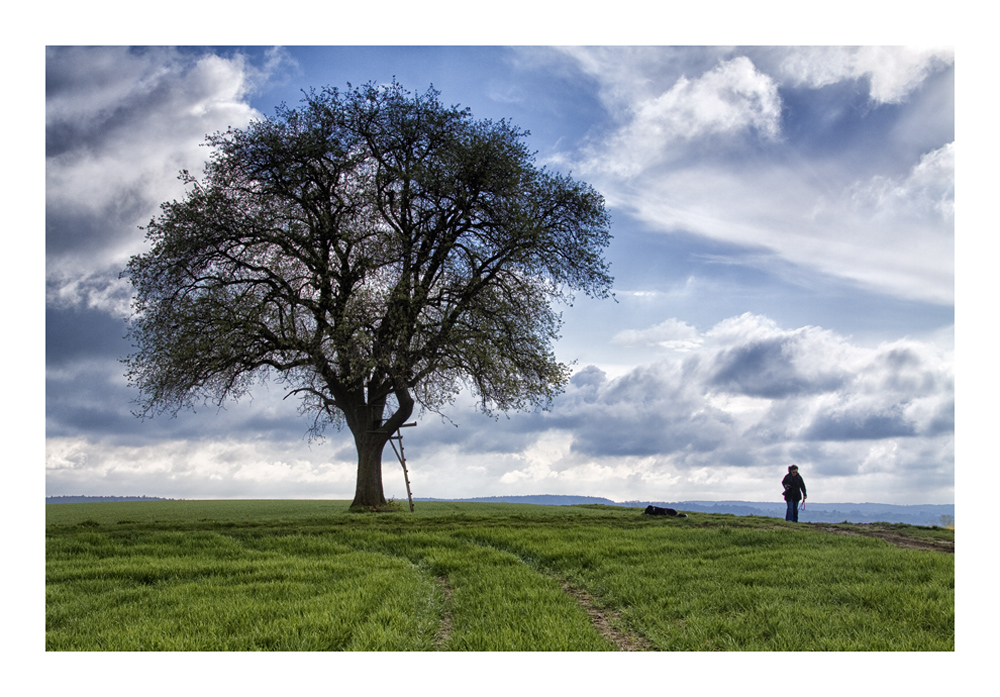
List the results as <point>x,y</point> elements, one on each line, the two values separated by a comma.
<point>720,415</point>
<point>733,405</point>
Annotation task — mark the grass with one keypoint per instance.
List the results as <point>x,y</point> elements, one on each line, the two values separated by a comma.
<point>311,576</point>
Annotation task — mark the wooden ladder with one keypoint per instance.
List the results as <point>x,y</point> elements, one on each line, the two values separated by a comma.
<point>402,459</point>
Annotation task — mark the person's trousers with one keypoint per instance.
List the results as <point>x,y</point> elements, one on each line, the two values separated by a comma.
<point>792,512</point>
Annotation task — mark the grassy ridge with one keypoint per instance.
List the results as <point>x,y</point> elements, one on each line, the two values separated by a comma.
<point>308,575</point>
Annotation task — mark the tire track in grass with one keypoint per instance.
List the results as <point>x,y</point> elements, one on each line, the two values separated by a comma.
<point>604,621</point>
<point>873,530</point>
<point>444,628</point>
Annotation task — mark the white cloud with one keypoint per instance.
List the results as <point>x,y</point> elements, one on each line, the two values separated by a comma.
<point>893,72</point>
<point>890,233</point>
<point>926,192</point>
<point>717,421</point>
<point>671,334</point>
<point>720,421</point>
<point>729,101</point>
<point>714,418</point>
<point>732,97</point>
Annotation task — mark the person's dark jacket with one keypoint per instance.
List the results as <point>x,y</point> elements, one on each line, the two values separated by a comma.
<point>793,485</point>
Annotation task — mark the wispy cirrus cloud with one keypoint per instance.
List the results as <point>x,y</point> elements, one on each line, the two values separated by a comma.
<point>670,334</point>
<point>715,149</point>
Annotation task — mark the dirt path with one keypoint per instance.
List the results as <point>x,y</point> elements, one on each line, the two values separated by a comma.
<point>946,546</point>
<point>604,620</point>
<point>444,629</point>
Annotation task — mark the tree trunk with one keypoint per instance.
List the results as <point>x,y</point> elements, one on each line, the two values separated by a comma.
<point>368,492</point>
<point>371,434</point>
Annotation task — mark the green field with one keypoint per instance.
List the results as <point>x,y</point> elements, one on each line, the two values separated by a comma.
<point>311,576</point>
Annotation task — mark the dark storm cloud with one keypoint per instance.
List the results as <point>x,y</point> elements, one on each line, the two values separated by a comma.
<point>81,233</point>
<point>86,397</point>
<point>87,393</point>
<point>471,431</point>
<point>120,124</point>
<point>655,432</point>
<point>89,397</point>
<point>943,420</point>
<point>743,395</point>
<point>861,426</point>
<point>768,369</point>
<point>84,88</point>
<point>80,333</point>
<point>651,410</point>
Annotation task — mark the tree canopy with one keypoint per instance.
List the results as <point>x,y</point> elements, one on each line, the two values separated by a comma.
<point>371,250</point>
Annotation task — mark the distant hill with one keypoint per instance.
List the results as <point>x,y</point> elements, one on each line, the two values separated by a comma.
<point>100,499</point>
<point>541,500</point>
<point>923,514</point>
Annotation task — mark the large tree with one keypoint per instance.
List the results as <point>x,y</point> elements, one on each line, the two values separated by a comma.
<point>370,251</point>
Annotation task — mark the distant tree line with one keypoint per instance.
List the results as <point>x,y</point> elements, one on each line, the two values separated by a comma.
<point>101,499</point>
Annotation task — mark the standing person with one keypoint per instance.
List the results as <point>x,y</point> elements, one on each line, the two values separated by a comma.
<point>793,487</point>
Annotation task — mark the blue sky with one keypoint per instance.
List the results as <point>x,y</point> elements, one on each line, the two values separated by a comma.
<point>783,250</point>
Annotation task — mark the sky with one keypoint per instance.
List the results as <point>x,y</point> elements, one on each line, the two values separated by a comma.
<point>783,254</point>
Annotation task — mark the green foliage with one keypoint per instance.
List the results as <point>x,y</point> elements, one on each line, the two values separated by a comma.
<point>310,575</point>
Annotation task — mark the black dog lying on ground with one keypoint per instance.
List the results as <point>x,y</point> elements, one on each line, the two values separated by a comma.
<point>656,510</point>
